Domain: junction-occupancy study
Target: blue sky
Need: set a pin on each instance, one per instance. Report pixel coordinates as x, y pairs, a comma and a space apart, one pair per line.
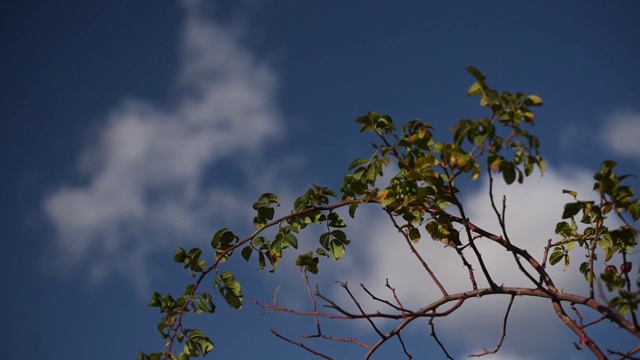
130, 128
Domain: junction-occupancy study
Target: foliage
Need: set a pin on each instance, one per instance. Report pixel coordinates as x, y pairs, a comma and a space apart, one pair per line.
423, 195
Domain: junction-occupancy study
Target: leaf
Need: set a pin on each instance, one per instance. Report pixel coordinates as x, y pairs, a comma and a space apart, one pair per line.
556, 256
246, 253
532, 100
414, 234
230, 290
570, 192
509, 173
352, 210
180, 255
269, 198
340, 236
357, 162
476, 73
291, 240
563, 228
309, 262
336, 249
475, 89
571, 209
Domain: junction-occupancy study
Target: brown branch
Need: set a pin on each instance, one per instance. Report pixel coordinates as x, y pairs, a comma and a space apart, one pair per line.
592, 254
398, 307
504, 332
466, 264
395, 296
458, 204
355, 301
404, 348
428, 310
314, 352
418, 256
503, 226
584, 338
633, 351
311, 297
634, 318
435, 337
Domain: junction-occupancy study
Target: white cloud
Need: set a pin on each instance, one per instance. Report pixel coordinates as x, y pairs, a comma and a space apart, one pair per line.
144, 172
533, 210
622, 132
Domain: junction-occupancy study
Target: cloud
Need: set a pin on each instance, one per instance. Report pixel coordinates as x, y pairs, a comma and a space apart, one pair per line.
144, 171
622, 132
533, 209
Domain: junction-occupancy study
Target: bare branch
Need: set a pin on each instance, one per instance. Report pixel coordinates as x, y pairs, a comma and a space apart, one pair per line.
504, 332
503, 226
314, 352
628, 355
345, 286
417, 255
435, 337
398, 307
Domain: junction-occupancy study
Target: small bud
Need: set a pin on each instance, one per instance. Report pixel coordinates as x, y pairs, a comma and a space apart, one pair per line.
625, 267
611, 269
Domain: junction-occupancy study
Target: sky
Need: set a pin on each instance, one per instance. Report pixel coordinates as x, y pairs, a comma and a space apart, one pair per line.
131, 128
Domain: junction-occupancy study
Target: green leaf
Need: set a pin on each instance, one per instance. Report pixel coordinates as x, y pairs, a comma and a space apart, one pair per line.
309, 262
291, 240
563, 228
180, 255
509, 173
230, 289
152, 356
475, 89
268, 198
570, 192
336, 249
414, 234
246, 253
335, 220
357, 162
556, 256
571, 209
476, 73
340, 236
352, 210
532, 100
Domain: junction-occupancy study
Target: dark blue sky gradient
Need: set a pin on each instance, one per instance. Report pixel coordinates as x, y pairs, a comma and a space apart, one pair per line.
66, 65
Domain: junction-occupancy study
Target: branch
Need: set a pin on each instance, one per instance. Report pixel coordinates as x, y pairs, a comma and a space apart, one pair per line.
503, 226
435, 337
177, 324
301, 345
584, 338
633, 351
504, 332
415, 252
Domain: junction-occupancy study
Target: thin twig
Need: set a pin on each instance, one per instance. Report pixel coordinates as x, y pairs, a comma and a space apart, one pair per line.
418, 256
504, 332
435, 337
386, 302
314, 352
355, 301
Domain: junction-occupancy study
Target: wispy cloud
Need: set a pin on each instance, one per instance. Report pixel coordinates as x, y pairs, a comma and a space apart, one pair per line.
622, 132
144, 173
